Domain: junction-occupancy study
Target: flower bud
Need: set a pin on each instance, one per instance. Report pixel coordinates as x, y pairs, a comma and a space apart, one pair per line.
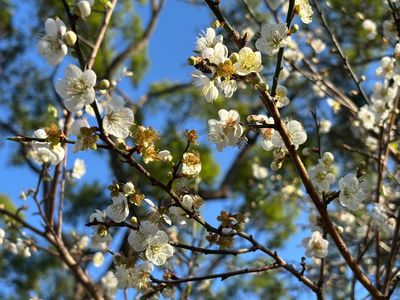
129, 188
327, 158
70, 38
104, 84
234, 57
294, 28
84, 8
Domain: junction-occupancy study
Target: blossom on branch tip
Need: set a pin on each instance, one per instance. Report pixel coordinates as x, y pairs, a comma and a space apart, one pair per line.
273, 37
208, 40
52, 46
206, 86
46, 152
351, 192
316, 246
227, 131
304, 10
77, 88
118, 119
158, 249
295, 132
118, 211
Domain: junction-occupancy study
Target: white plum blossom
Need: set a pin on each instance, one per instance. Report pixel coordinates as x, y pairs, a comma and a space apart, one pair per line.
158, 249
178, 214
318, 45
385, 92
367, 117
206, 86
370, 27
141, 274
258, 171
77, 88
76, 130
2, 234
321, 174
389, 30
118, 119
273, 37
165, 155
110, 284
351, 192
52, 46
98, 259
208, 40
46, 152
296, 134
124, 276
216, 55
386, 68
139, 239
324, 126
280, 96
79, 168
248, 62
228, 86
118, 211
129, 188
191, 164
267, 133
304, 10
316, 246
227, 131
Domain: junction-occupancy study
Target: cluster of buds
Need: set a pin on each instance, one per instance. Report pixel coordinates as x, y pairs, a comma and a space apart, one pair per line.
128, 189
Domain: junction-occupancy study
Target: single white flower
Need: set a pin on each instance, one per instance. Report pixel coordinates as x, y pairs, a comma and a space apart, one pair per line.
110, 284
248, 62
79, 168
258, 171
141, 275
318, 45
129, 188
370, 27
124, 276
367, 117
83, 242
208, 40
45, 152
386, 68
139, 239
165, 155
52, 46
296, 135
228, 86
280, 96
227, 131
351, 192
273, 37
98, 259
158, 249
316, 246
2, 234
216, 55
325, 126
191, 164
304, 10
385, 92
118, 118
321, 177
77, 88
267, 133
119, 210
205, 85
178, 214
